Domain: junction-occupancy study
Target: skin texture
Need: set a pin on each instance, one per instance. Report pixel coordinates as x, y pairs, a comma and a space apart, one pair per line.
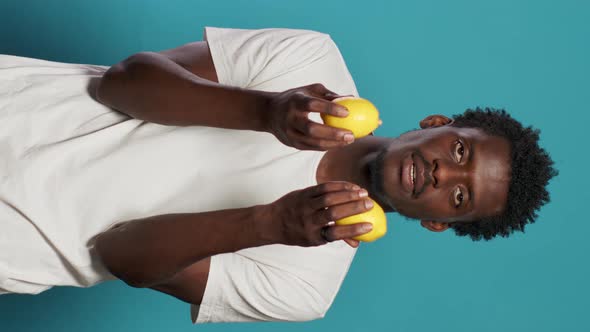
462, 173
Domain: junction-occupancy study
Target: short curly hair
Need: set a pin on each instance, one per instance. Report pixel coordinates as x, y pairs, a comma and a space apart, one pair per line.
531, 170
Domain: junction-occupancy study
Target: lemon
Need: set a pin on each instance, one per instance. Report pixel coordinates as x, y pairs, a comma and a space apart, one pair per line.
375, 216
362, 118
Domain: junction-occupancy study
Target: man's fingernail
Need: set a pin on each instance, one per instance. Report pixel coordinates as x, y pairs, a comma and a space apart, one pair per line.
366, 227
342, 112
349, 138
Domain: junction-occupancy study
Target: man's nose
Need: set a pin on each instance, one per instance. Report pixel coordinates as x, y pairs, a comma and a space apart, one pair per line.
448, 173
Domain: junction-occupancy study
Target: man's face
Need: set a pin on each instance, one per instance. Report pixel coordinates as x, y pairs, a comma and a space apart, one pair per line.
443, 174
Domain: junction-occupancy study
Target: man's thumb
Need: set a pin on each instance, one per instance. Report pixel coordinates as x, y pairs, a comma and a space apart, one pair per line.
320, 91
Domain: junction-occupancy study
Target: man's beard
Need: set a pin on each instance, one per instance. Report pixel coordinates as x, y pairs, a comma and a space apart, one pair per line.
376, 178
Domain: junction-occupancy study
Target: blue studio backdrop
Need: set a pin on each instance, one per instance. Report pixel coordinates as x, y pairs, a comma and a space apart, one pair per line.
412, 59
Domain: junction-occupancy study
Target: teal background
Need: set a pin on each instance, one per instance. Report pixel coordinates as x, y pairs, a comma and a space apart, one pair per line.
411, 58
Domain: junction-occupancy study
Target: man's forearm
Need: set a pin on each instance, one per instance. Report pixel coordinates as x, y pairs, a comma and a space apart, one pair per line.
151, 87
147, 251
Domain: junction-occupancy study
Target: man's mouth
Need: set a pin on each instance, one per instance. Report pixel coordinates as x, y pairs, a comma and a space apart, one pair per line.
408, 174
421, 175
413, 177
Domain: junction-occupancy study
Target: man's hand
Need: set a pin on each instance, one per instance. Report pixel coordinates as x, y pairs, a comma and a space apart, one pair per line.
288, 121
300, 215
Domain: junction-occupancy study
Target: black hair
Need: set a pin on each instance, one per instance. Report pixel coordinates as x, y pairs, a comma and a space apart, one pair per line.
531, 170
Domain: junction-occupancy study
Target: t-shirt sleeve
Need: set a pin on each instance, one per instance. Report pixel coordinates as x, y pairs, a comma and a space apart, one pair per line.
278, 59
240, 289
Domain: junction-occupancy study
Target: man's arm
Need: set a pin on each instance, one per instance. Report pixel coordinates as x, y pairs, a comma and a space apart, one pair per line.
179, 87
189, 283
149, 251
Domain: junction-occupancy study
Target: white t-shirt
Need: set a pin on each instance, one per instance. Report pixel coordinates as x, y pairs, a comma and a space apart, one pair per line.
70, 168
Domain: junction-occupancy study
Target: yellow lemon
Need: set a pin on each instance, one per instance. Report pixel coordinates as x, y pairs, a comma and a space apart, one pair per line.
375, 216
362, 118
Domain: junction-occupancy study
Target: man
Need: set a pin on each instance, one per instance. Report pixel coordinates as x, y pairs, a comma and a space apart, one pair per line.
216, 181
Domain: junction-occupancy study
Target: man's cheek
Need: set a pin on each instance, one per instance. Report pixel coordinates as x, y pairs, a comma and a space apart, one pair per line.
433, 207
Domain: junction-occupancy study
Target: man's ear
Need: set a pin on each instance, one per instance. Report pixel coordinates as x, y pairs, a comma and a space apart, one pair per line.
435, 120
435, 226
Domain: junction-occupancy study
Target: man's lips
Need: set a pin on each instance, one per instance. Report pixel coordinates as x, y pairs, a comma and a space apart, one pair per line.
420, 178
416, 161
406, 174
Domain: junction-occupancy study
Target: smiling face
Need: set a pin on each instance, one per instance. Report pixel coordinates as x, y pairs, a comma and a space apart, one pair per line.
443, 174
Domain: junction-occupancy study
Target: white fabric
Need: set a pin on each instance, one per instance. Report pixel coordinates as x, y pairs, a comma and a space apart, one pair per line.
70, 168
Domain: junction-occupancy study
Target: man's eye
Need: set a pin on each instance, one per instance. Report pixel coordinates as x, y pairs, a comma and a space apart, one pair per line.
459, 151
458, 196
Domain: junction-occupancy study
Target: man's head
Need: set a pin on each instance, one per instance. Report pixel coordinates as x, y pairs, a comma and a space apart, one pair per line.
481, 173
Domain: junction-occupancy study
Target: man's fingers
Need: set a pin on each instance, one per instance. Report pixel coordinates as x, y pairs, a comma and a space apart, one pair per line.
352, 243
327, 107
333, 98
334, 198
320, 90
331, 186
320, 144
317, 130
335, 232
